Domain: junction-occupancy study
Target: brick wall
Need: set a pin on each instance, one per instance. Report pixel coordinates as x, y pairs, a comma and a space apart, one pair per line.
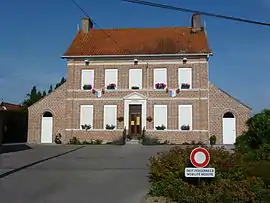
54, 103
64, 103
199, 74
220, 103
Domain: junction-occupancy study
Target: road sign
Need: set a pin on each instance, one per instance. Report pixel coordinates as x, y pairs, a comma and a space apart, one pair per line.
199, 157
200, 172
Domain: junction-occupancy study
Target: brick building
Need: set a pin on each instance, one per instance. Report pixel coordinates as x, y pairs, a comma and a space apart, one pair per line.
155, 78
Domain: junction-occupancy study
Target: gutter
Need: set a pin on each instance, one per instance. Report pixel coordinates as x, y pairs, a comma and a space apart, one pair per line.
139, 55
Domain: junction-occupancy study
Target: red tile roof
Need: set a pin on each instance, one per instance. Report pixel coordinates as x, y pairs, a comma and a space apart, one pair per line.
132, 41
4, 106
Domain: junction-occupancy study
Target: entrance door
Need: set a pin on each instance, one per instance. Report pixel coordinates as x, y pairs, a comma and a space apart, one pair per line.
135, 119
46, 128
228, 128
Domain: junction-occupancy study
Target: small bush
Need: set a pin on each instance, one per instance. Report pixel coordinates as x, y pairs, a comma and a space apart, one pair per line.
232, 182
146, 140
74, 141
98, 141
213, 140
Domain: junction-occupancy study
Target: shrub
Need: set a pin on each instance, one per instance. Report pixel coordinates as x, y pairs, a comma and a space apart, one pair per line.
231, 184
146, 140
258, 133
213, 140
74, 141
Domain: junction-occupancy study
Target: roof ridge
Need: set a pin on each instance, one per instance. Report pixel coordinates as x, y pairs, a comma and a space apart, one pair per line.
144, 28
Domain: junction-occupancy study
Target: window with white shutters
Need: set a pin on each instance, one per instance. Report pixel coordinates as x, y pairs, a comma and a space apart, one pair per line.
185, 117
160, 116
135, 78
111, 78
185, 78
87, 79
160, 77
110, 115
86, 116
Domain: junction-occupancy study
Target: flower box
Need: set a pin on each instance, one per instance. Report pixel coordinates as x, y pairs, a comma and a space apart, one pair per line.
111, 86
185, 86
160, 86
149, 119
135, 87
102, 91
87, 87
162, 127
110, 127
86, 127
120, 118
185, 127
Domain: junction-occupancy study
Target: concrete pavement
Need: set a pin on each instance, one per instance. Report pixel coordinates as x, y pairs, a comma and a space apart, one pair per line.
98, 174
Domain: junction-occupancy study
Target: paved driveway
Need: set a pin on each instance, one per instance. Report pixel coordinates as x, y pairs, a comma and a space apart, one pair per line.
92, 174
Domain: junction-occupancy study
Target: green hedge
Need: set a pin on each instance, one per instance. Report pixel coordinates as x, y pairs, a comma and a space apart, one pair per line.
234, 182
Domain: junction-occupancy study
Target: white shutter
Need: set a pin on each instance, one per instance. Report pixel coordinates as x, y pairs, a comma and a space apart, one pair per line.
185, 115
111, 76
135, 78
86, 115
160, 76
160, 115
87, 78
185, 76
110, 113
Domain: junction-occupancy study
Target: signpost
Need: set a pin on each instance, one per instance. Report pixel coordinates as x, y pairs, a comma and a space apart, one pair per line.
200, 158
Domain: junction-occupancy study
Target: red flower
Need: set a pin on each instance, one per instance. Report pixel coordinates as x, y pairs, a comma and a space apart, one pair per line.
112, 84
93, 91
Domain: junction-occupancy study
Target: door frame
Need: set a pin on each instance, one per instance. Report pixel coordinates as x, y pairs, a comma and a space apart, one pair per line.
139, 113
41, 126
231, 116
126, 112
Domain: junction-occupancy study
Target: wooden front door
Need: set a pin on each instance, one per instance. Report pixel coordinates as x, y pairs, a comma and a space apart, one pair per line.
135, 119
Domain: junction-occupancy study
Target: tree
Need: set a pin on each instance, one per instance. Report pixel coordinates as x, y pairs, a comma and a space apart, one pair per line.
63, 80
50, 90
36, 95
258, 132
33, 97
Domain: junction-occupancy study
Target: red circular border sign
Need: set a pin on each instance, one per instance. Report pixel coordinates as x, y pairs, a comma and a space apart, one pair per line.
194, 152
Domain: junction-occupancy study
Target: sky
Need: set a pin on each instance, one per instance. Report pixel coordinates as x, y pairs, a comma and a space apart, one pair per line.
35, 34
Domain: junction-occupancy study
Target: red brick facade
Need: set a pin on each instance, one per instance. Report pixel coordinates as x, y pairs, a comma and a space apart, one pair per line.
208, 102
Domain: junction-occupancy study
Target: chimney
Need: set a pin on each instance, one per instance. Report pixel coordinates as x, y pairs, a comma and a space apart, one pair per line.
196, 22
87, 24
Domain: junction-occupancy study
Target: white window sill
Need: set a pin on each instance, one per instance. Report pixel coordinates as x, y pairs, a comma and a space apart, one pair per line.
145, 90
185, 89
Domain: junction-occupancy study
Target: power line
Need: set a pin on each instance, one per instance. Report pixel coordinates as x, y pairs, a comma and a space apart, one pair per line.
147, 3
86, 14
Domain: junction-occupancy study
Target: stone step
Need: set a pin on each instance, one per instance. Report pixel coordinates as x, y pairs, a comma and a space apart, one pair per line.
133, 141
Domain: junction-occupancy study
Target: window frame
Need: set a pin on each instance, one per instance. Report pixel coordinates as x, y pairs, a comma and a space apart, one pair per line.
179, 116
104, 116
166, 121
81, 107
154, 77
